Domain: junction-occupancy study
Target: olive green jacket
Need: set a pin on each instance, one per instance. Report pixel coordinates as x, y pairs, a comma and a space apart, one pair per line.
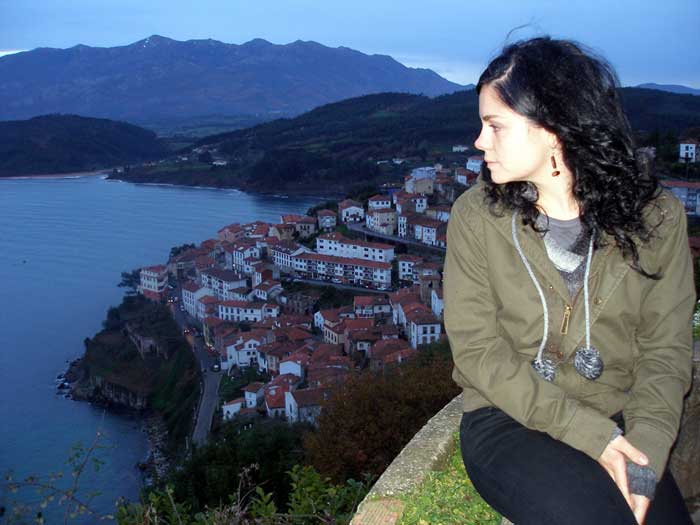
642, 328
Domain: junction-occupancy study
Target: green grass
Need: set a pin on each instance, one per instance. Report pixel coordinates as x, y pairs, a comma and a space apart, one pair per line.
447, 497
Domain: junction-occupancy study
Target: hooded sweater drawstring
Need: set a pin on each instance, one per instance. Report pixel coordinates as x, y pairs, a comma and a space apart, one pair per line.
587, 359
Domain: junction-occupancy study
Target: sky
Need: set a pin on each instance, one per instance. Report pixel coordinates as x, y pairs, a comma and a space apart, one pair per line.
646, 41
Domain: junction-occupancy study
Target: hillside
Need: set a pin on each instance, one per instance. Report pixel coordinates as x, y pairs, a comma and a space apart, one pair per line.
69, 143
337, 146
159, 78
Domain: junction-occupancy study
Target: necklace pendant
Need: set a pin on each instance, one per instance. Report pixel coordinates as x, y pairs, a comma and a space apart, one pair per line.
588, 363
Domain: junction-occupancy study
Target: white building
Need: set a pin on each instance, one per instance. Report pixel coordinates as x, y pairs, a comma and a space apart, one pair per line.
236, 254
337, 244
689, 151
382, 221
459, 148
233, 407
379, 202
436, 303
253, 394
475, 162
687, 192
283, 252
357, 271
221, 282
407, 264
350, 211
246, 311
422, 328
153, 281
327, 219
425, 172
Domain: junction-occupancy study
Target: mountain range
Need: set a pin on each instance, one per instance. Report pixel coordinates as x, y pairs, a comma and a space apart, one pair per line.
158, 78
671, 88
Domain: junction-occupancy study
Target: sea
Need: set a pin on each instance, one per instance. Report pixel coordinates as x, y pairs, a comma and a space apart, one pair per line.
64, 242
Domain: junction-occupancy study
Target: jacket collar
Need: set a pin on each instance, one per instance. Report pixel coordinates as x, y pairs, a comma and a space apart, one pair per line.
533, 247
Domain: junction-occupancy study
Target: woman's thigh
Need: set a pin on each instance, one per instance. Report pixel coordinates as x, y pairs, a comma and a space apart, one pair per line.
532, 478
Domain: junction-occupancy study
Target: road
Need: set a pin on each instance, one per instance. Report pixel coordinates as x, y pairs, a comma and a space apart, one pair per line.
210, 390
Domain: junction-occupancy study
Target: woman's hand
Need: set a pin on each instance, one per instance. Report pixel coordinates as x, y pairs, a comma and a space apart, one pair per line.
640, 505
613, 461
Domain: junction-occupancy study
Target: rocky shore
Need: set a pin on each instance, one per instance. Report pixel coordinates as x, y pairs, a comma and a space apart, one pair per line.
75, 384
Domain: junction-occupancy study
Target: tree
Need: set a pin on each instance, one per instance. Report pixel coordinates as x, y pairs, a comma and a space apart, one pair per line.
372, 416
131, 281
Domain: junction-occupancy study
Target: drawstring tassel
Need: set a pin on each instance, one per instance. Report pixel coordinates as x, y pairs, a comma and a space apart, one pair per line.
587, 359
588, 363
545, 368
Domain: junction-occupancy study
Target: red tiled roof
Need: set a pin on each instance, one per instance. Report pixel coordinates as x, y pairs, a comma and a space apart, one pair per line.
254, 387
376, 198
311, 396
407, 257
237, 400
158, 268
358, 324
190, 286
326, 213
208, 299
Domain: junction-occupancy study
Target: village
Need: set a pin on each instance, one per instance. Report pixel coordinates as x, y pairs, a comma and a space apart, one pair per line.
234, 290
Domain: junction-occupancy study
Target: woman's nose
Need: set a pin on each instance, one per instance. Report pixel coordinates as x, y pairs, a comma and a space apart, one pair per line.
480, 143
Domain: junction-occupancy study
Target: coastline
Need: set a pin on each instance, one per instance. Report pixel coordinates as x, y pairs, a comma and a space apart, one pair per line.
282, 194
71, 175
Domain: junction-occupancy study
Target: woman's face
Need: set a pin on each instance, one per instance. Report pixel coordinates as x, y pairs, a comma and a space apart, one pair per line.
514, 148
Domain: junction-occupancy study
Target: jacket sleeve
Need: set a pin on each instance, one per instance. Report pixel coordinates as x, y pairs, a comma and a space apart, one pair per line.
485, 360
663, 368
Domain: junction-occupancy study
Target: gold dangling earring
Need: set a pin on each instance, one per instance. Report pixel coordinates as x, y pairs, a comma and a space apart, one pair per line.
556, 172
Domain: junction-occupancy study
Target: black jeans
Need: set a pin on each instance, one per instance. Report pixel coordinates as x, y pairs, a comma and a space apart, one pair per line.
533, 479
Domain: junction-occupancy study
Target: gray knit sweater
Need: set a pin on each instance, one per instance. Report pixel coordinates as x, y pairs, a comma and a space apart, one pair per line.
566, 245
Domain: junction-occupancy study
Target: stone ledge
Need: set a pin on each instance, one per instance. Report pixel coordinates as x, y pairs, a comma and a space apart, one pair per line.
427, 451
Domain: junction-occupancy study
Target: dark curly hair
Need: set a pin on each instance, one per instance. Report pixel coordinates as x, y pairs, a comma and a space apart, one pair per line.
572, 93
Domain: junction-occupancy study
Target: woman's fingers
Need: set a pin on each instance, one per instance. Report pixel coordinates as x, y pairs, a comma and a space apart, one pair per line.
630, 451
640, 508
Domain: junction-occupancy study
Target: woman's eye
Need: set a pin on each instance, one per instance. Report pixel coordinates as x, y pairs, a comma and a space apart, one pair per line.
494, 128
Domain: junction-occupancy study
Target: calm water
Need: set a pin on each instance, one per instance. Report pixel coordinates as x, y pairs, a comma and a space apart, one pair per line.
63, 245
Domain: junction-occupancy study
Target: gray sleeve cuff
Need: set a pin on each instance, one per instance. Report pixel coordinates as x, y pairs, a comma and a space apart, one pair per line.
641, 480
616, 432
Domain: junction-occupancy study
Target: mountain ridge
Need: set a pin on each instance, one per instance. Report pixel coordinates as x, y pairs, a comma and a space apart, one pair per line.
158, 76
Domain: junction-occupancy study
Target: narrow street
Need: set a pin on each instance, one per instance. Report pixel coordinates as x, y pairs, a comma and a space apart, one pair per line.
210, 389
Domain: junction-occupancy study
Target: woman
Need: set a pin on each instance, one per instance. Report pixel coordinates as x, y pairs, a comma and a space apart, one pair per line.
568, 293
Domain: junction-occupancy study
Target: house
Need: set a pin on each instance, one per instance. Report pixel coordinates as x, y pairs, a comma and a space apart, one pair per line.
253, 392
206, 306
191, 293
689, 151
231, 408
267, 290
384, 348
474, 163
231, 233
335, 243
327, 219
687, 193
382, 221
466, 177
242, 350
221, 281
246, 311
303, 224
295, 364
374, 306
422, 327
376, 274
274, 394
439, 212
153, 282
282, 253
378, 202
270, 355
350, 211
237, 252
305, 405
407, 263
459, 148
426, 230
424, 185
283, 232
